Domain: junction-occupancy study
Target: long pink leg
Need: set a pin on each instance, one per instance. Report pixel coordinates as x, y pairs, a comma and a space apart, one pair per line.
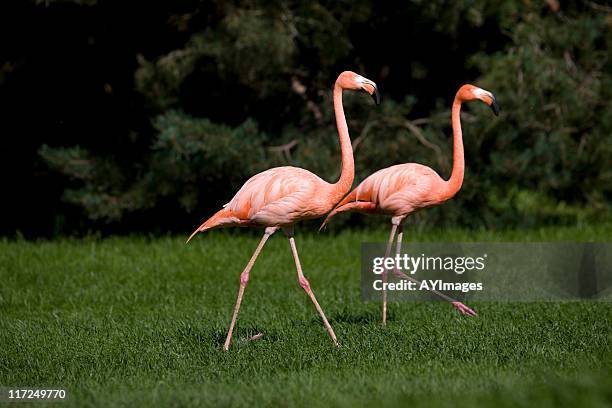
384, 274
458, 305
306, 286
244, 279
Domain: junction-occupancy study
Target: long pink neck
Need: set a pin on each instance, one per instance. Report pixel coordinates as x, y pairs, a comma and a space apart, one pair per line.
453, 185
347, 175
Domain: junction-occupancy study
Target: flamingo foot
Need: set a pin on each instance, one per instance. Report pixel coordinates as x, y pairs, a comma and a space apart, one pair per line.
255, 337
463, 309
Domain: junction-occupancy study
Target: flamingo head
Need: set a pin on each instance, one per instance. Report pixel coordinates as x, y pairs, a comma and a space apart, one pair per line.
351, 80
470, 93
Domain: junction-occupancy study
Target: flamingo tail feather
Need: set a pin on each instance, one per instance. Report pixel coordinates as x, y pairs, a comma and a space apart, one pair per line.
220, 218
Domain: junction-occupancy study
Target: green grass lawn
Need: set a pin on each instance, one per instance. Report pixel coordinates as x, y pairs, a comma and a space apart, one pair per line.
136, 321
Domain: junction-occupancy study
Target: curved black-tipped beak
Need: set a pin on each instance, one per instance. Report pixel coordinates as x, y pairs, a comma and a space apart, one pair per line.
376, 95
494, 106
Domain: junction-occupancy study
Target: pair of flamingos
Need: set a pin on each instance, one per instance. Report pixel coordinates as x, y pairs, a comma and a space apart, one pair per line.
280, 197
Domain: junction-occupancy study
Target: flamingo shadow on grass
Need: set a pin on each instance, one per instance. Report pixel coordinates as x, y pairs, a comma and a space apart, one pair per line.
243, 336
217, 335
356, 316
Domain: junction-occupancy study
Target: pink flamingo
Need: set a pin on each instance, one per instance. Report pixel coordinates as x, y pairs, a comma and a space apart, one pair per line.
280, 197
405, 188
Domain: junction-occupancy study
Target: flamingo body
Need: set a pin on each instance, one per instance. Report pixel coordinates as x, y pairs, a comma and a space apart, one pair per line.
397, 191
280, 197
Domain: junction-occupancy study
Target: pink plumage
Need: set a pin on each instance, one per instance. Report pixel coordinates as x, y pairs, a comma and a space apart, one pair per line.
276, 197
399, 189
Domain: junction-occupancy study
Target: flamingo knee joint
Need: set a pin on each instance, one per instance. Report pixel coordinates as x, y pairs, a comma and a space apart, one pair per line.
305, 284
244, 279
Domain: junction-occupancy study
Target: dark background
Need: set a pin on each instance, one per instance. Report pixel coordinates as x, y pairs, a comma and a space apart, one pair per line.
154, 93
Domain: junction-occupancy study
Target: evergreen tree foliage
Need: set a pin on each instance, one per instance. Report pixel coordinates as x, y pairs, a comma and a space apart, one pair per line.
250, 88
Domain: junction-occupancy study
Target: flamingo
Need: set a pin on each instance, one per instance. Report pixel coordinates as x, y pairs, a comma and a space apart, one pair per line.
280, 197
405, 188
